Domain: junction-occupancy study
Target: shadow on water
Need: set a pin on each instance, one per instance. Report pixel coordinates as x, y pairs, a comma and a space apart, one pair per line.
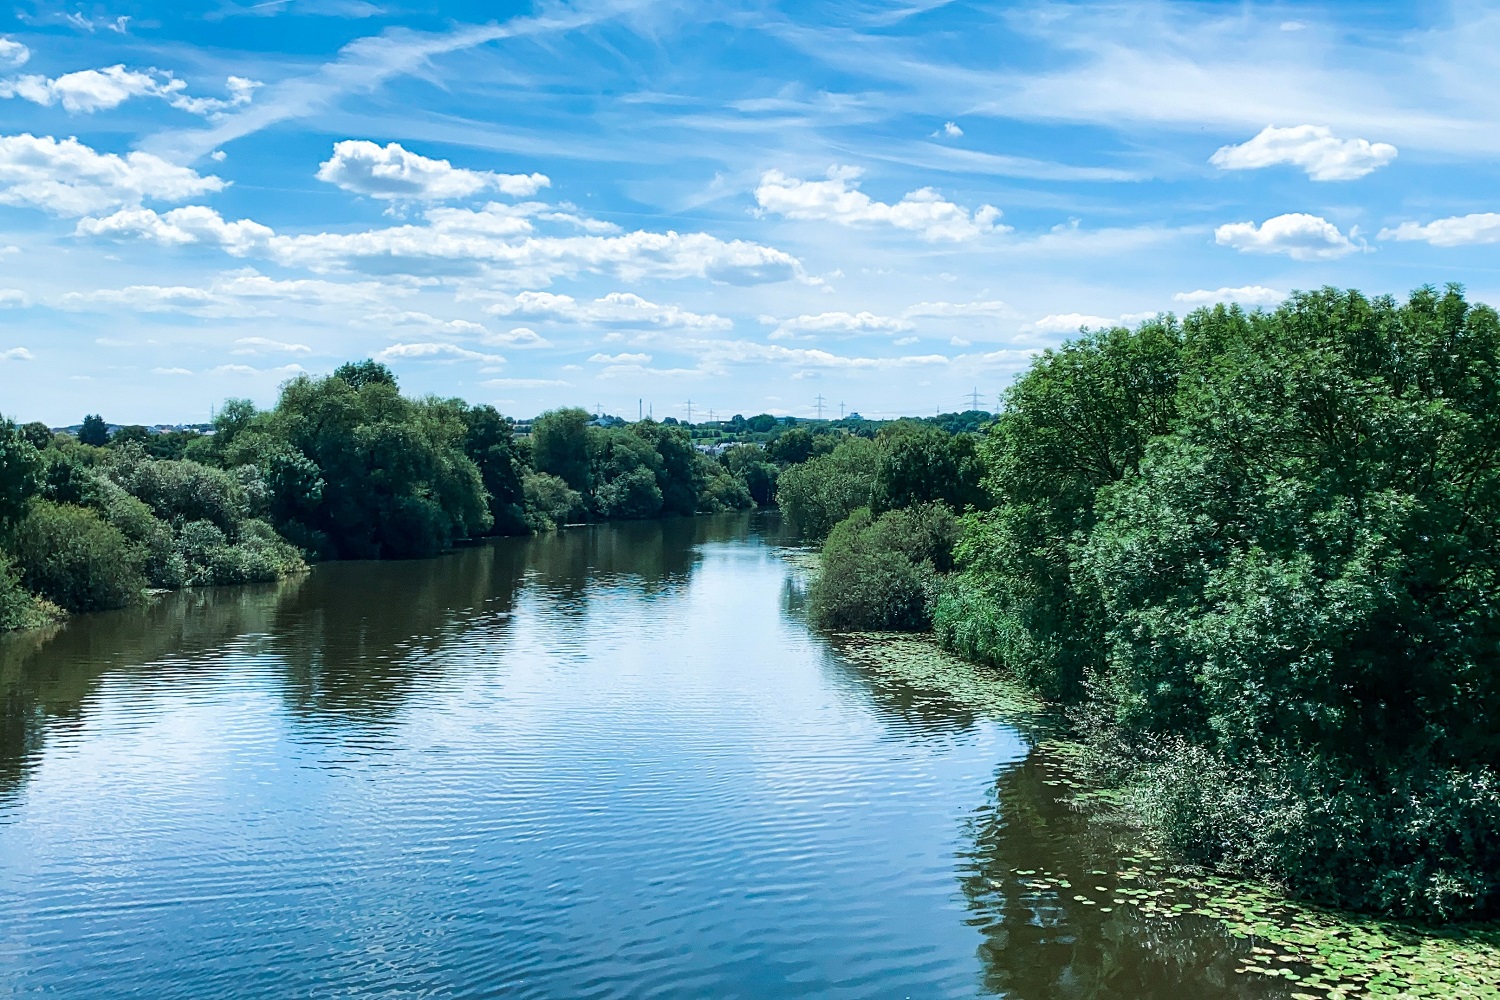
352, 642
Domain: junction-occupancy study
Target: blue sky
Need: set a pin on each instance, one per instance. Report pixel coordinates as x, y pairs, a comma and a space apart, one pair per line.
887, 203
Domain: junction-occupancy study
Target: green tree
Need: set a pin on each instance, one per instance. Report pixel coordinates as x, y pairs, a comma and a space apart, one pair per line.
94, 431
21, 474
77, 560
38, 433
489, 441
922, 464
821, 492
560, 446
791, 447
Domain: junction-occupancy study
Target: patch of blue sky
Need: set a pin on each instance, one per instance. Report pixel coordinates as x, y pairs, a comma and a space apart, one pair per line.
746, 203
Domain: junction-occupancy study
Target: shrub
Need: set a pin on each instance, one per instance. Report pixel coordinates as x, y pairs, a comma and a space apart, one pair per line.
549, 501
76, 559
882, 572
18, 608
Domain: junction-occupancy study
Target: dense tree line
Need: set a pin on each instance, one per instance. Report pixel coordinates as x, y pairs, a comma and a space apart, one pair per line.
341, 467
1259, 555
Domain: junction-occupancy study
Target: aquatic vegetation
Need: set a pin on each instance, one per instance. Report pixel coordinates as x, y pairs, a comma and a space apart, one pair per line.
1155, 896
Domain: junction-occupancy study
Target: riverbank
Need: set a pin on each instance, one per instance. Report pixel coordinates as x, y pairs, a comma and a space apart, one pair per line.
1316, 952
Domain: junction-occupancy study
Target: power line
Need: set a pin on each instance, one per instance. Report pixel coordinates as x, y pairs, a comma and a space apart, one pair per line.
820, 405
974, 399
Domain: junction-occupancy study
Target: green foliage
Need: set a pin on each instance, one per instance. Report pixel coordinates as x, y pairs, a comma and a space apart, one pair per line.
21, 471
38, 433
395, 481
1265, 550
821, 492
489, 441
18, 608
76, 559
791, 447
922, 464
749, 463
882, 572
94, 431
550, 501
358, 374
560, 447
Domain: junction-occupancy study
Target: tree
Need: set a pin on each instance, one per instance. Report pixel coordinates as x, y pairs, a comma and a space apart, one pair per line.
94, 431
21, 473
791, 447
38, 433
560, 446
921, 464
489, 441
358, 374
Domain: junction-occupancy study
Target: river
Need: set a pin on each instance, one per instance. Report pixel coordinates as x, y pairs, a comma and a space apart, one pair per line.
609, 762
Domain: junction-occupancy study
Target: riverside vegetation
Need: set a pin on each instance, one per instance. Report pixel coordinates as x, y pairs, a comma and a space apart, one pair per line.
1253, 555
343, 467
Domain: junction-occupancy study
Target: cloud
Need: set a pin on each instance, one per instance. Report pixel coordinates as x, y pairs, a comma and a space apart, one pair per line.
839, 322
950, 130
69, 178
13, 53
620, 359
171, 371
992, 308
1455, 231
265, 345
521, 338
14, 298
241, 92
17, 354
497, 240
838, 199
1298, 235
525, 383
1314, 148
236, 294
427, 351
615, 308
1250, 295
428, 323
91, 90
235, 369
1071, 323
392, 172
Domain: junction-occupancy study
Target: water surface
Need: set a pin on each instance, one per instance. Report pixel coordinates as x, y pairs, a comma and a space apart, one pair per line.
612, 762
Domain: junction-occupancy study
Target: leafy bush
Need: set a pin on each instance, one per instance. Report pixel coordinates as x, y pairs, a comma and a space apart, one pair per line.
1264, 550
18, 608
882, 572
550, 502
76, 559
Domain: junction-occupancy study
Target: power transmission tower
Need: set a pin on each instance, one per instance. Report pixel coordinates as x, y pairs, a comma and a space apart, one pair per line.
820, 405
974, 399
841, 411
689, 405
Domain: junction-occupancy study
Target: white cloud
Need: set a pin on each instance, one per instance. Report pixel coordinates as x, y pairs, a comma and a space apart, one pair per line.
949, 130
236, 294
1314, 148
241, 92
265, 345
1298, 235
521, 338
1071, 323
13, 53
1250, 295
286, 370
171, 371
838, 199
69, 178
1455, 231
497, 240
17, 354
622, 308
428, 323
392, 172
839, 322
525, 383
427, 351
14, 298
92, 90
621, 359
992, 308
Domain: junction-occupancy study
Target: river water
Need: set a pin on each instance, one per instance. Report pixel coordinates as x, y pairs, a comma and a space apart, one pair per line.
611, 762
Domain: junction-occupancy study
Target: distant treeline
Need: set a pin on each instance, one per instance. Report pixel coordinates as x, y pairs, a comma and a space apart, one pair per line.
1257, 555
343, 467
